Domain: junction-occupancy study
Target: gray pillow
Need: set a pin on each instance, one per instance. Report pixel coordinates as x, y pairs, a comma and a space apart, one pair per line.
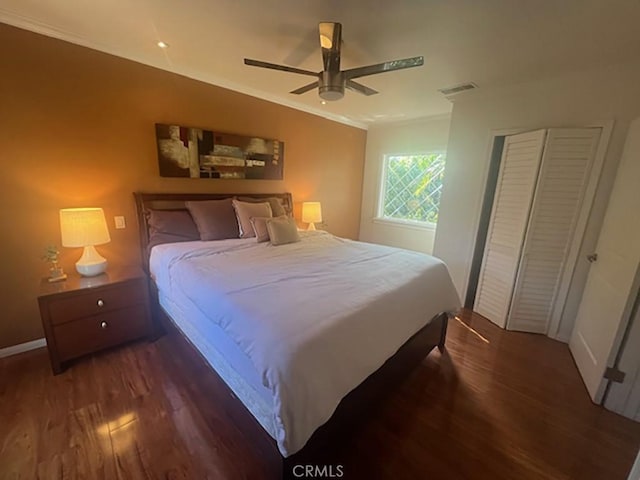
215, 219
282, 230
246, 210
277, 209
169, 226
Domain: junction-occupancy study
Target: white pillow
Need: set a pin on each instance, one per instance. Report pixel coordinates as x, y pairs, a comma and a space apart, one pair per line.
246, 210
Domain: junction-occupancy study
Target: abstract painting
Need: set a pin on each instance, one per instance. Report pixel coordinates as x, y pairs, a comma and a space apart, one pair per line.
197, 153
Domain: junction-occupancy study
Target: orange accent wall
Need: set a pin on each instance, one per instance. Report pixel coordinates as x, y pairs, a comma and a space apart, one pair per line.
77, 129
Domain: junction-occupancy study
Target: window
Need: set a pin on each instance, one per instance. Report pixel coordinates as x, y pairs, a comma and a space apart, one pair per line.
411, 188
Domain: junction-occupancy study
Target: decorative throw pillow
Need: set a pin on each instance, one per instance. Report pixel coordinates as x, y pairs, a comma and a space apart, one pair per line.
282, 230
168, 226
215, 219
260, 227
277, 209
246, 210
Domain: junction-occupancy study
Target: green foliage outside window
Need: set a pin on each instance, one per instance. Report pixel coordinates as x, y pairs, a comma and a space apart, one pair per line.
412, 187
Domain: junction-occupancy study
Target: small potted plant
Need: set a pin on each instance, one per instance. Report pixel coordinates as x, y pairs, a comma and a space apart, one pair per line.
51, 255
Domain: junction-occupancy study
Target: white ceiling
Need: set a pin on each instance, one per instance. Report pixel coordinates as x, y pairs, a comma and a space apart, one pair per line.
489, 42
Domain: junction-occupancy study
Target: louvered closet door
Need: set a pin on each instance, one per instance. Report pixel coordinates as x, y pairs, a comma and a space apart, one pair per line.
564, 174
510, 212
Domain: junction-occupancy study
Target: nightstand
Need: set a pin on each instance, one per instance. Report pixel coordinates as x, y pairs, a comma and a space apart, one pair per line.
82, 315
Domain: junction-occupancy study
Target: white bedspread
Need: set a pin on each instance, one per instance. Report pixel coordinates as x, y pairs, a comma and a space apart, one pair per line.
315, 317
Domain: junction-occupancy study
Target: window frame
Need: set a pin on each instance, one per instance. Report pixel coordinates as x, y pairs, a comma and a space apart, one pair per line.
382, 184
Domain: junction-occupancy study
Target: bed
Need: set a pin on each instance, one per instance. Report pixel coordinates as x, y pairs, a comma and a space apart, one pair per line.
305, 334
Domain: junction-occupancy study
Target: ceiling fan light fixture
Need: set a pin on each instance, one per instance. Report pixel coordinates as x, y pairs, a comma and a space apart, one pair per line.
331, 93
331, 86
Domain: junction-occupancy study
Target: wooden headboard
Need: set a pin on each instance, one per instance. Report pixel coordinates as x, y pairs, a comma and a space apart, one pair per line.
175, 201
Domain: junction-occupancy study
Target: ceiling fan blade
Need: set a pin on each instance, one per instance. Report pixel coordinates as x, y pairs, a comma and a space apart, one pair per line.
273, 66
331, 42
305, 89
358, 87
384, 67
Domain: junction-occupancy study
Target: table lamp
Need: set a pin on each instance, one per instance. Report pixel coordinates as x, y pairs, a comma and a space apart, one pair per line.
311, 213
85, 227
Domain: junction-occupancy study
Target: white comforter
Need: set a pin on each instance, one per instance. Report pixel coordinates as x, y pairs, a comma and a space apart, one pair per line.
315, 317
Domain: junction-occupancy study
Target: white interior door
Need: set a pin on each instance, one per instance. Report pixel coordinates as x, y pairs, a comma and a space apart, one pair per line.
559, 201
608, 295
624, 397
517, 178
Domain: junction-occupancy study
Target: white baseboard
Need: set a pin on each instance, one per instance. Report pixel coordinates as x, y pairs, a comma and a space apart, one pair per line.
23, 347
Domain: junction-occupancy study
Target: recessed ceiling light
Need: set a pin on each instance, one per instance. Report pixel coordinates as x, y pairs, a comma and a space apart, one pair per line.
161, 44
323, 102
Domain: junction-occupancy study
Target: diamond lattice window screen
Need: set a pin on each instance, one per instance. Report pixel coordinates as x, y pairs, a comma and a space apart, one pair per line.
412, 187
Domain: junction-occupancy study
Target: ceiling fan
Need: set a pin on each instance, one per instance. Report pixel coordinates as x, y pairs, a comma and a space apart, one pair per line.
332, 81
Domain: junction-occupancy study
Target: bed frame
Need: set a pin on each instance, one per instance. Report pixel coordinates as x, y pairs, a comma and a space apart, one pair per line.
324, 446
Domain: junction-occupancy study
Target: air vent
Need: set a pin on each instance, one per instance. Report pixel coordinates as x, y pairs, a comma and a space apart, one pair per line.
457, 89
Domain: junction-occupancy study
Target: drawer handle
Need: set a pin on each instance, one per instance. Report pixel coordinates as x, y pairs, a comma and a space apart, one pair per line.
100, 302
104, 325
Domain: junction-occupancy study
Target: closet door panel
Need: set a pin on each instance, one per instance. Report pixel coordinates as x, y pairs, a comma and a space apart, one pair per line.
564, 174
510, 212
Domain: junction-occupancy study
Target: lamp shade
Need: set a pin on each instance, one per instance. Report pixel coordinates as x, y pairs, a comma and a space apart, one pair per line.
311, 212
81, 227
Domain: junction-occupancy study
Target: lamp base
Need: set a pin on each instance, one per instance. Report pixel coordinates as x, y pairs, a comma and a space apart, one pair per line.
311, 226
91, 263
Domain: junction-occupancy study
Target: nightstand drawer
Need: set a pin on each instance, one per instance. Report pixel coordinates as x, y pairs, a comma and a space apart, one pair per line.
94, 333
104, 300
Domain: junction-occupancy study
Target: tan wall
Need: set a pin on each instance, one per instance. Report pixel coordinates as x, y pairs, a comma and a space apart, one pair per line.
77, 129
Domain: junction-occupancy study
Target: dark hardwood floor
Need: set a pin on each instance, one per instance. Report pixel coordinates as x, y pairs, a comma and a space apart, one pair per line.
509, 406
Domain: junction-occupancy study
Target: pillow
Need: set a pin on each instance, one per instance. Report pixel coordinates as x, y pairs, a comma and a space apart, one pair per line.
277, 209
215, 219
246, 210
259, 225
282, 230
168, 226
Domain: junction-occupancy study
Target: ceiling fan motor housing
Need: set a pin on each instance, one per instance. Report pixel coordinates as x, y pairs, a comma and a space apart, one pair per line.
331, 86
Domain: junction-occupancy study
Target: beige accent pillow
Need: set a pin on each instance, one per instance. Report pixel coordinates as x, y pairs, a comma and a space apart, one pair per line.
246, 210
282, 230
259, 225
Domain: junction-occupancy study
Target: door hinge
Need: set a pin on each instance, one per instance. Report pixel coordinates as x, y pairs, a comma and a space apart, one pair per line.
613, 374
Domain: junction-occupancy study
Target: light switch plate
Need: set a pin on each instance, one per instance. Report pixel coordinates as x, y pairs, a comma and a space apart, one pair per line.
120, 223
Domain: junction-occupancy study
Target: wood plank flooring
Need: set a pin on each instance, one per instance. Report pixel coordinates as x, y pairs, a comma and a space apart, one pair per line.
509, 406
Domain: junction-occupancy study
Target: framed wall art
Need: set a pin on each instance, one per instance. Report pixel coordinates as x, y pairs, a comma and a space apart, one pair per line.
197, 153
